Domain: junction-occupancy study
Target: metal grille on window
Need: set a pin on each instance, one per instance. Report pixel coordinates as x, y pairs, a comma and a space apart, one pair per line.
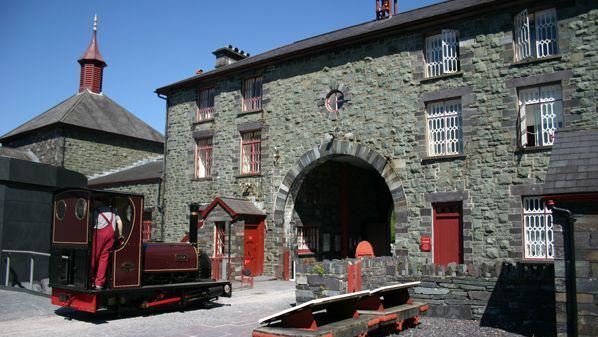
522, 36
205, 104
219, 239
307, 239
252, 94
538, 229
203, 164
251, 146
546, 33
540, 114
444, 128
442, 53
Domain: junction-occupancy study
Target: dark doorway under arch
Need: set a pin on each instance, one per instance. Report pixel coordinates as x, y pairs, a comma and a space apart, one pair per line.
341, 201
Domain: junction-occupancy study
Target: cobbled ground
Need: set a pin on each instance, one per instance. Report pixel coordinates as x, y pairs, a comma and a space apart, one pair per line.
26, 315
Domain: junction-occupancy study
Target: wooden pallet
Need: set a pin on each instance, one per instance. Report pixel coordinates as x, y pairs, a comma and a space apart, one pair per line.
387, 309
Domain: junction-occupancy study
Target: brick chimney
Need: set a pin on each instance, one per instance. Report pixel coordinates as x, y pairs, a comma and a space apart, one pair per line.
92, 65
228, 55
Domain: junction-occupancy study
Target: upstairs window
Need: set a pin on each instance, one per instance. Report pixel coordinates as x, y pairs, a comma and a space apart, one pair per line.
444, 127
540, 114
205, 104
535, 34
538, 229
251, 152
252, 94
442, 53
203, 158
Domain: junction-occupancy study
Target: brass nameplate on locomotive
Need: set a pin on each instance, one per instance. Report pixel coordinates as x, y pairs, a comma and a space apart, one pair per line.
127, 266
181, 258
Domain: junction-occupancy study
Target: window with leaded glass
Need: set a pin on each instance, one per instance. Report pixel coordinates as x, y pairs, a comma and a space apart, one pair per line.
251, 152
205, 104
442, 53
540, 114
219, 238
535, 34
252, 94
538, 229
203, 158
444, 127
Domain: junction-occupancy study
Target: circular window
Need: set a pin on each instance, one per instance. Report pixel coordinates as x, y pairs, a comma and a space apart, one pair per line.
60, 210
81, 209
335, 101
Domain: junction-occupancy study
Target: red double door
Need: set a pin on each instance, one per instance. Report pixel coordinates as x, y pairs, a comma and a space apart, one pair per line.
448, 233
254, 248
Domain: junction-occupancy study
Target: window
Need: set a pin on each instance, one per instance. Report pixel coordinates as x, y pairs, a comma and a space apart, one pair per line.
540, 114
537, 220
219, 238
307, 239
535, 34
251, 147
252, 94
444, 127
203, 158
205, 104
442, 53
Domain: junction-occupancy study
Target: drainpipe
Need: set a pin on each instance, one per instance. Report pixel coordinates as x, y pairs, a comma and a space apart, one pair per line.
162, 189
572, 283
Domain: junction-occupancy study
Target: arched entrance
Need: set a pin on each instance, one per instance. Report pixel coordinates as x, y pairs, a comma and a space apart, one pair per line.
336, 195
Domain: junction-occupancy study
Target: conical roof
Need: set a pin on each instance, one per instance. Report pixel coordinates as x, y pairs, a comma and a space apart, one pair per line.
93, 50
90, 111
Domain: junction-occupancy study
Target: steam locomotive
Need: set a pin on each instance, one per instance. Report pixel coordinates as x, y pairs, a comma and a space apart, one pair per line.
139, 274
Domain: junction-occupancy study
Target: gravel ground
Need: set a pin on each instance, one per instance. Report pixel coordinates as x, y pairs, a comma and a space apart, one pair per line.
26, 315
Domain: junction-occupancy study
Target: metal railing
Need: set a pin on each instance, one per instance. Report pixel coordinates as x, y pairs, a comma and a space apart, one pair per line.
31, 264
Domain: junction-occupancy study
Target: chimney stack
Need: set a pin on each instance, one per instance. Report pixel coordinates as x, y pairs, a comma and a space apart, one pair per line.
386, 9
228, 55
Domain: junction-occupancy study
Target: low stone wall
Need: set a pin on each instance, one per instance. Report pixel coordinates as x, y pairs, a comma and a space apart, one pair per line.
515, 297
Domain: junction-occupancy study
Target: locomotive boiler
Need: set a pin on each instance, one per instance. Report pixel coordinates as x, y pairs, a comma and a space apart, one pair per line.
138, 274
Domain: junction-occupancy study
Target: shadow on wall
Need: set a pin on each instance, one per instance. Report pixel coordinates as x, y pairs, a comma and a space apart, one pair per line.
523, 300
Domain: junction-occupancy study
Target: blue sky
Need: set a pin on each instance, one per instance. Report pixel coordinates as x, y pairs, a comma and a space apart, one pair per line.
147, 44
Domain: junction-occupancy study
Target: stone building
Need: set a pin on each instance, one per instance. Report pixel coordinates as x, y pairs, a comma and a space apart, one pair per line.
88, 128
428, 132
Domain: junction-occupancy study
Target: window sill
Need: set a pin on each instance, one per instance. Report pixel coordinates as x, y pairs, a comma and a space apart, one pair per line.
306, 253
436, 78
205, 121
534, 149
242, 113
538, 261
535, 60
203, 179
429, 160
248, 175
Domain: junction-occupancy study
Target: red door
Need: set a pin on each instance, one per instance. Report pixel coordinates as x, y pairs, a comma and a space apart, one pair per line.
448, 238
254, 248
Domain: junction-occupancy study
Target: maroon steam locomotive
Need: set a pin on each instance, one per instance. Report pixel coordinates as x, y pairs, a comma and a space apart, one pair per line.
138, 274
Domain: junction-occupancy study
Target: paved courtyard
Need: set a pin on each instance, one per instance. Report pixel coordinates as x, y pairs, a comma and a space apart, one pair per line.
23, 314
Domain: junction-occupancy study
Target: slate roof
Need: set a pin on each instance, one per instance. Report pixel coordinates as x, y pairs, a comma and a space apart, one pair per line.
91, 111
236, 206
142, 172
406, 20
18, 154
573, 164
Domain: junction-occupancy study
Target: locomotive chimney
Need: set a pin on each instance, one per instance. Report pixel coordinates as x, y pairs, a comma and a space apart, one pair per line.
193, 222
228, 55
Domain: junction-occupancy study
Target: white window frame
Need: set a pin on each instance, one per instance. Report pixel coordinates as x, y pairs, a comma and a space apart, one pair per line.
441, 55
535, 35
538, 229
444, 127
541, 111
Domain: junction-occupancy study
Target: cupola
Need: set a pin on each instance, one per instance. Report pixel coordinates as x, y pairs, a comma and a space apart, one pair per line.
92, 64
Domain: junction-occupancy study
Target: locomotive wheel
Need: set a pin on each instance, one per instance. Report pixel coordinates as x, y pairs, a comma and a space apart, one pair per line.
205, 266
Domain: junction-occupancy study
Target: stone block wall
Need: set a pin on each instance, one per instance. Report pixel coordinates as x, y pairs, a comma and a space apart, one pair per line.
46, 145
514, 297
384, 77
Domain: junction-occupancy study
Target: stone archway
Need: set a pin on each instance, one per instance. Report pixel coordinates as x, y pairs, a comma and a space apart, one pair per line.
290, 185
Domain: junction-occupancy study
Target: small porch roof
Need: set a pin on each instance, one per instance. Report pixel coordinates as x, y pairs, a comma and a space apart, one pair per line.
235, 207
